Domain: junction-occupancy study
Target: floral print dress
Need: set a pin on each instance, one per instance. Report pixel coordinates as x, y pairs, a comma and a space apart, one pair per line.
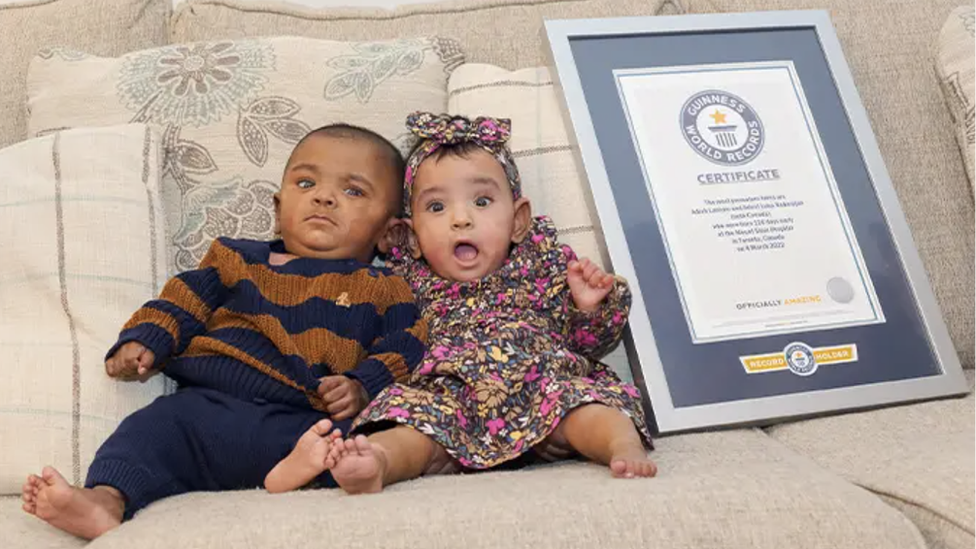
508, 356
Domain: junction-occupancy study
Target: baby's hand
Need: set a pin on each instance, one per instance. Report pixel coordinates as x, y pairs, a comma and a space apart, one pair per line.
344, 397
588, 284
132, 359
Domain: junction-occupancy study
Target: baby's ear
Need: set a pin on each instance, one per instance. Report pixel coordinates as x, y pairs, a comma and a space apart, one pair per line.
523, 220
394, 235
277, 213
412, 243
399, 234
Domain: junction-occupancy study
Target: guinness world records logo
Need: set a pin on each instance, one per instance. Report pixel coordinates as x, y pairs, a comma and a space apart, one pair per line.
722, 128
800, 359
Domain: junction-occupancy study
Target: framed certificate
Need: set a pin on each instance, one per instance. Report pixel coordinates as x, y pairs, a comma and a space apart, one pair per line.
741, 192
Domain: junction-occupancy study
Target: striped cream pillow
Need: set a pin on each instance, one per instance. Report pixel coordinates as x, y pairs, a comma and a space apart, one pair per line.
83, 247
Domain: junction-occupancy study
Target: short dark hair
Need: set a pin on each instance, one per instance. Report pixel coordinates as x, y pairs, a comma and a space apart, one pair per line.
342, 130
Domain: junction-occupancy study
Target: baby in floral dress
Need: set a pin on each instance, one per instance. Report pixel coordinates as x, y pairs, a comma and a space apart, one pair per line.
516, 326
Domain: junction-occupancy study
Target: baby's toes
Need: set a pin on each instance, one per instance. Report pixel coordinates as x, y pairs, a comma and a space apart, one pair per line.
618, 468
331, 459
338, 450
646, 469
33, 485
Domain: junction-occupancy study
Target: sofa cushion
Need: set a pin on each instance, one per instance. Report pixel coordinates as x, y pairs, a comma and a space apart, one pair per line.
507, 33
954, 64
918, 457
230, 113
83, 247
104, 27
731, 489
888, 46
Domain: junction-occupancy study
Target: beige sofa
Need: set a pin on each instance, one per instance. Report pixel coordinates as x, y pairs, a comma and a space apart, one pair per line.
900, 477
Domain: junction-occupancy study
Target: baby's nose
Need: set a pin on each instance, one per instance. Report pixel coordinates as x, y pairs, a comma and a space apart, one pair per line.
324, 199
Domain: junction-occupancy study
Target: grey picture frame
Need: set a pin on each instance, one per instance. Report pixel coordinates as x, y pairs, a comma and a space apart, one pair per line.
642, 347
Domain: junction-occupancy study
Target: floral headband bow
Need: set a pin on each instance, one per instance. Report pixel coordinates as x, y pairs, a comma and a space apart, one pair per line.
437, 131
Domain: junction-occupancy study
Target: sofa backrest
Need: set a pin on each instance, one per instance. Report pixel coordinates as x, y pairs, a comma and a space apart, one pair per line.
100, 27
507, 33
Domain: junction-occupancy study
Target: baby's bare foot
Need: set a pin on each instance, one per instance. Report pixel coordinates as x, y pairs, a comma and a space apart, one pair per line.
631, 461
86, 513
311, 456
360, 466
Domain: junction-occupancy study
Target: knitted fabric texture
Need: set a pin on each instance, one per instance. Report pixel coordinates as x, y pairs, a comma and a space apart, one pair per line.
260, 332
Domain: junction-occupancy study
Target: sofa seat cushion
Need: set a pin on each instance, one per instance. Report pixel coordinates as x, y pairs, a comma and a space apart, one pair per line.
730, 489
22, 531
919, 458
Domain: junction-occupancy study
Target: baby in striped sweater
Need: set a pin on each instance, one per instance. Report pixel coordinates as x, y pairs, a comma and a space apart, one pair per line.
275, 346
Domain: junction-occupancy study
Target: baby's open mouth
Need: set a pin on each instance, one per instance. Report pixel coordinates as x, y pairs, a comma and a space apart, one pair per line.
465, 251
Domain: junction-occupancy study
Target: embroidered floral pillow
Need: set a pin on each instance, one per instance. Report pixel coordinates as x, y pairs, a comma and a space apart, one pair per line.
229, 113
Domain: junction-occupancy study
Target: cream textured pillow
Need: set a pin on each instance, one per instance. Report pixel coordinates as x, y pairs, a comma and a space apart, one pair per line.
954, 64
83, 247
104, 27
230, 113
542, 148
540, 145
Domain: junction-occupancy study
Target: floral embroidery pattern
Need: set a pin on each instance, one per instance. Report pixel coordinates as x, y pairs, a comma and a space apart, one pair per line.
969, 22
449, 52
195, 84
508, 355
66, 54
373, 63
264, 116
960, 106
231, 208
210, 209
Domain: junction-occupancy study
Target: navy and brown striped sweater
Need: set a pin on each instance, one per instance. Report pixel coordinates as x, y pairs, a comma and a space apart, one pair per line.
242, 326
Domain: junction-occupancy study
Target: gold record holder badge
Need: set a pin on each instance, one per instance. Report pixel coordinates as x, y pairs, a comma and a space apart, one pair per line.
800, 358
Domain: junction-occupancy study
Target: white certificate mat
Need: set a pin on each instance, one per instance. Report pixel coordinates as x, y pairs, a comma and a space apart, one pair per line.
757, 235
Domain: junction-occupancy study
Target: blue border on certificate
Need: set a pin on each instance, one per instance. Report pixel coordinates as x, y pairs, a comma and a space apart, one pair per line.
825, 169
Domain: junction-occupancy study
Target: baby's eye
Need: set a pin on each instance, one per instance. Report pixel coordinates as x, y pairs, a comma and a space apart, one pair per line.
305, 183
435, 207
482, 201
354, 191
